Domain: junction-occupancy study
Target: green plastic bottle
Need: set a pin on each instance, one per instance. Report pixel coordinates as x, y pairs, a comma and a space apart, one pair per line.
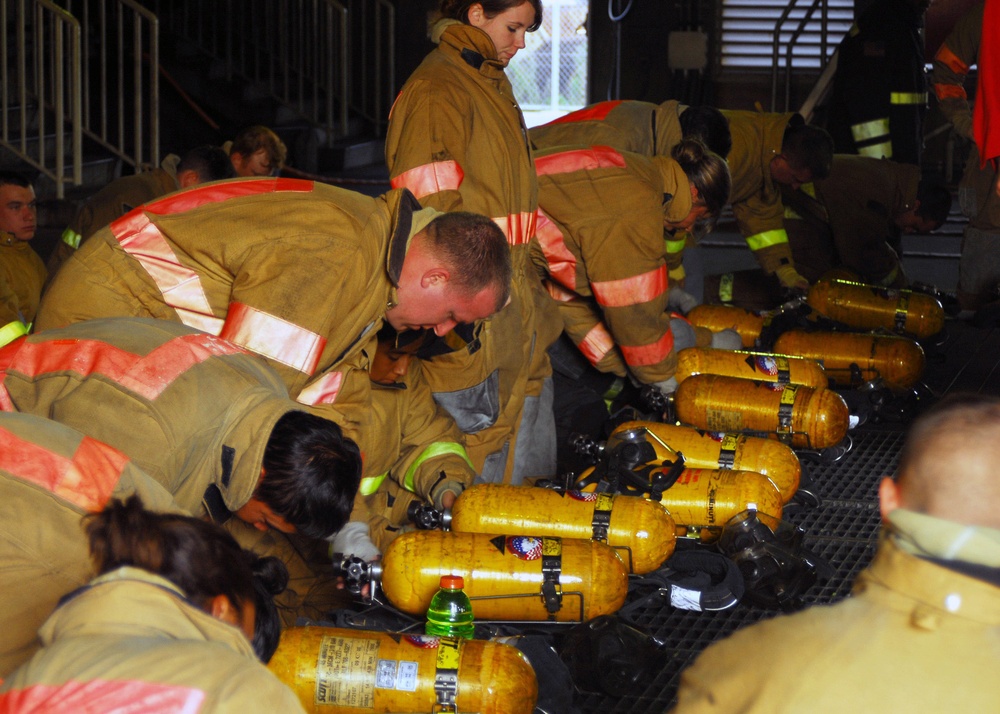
450, 612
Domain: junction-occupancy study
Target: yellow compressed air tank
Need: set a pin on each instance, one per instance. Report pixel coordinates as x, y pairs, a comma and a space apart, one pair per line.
721, 317
718, 450
344, 671
707, 498
640, 530
590, 576
704, 499
870, 307
811, 418
899, 361
763, 366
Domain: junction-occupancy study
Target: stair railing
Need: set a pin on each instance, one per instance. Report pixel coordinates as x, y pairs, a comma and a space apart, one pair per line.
41, 88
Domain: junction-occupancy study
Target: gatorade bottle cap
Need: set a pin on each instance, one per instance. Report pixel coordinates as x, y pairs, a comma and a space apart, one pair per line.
452, 582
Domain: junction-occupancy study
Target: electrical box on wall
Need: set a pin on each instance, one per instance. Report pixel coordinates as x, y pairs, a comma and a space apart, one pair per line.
687, 50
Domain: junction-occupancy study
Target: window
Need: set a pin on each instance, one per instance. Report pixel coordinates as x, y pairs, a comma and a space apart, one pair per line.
550, 74
748, 30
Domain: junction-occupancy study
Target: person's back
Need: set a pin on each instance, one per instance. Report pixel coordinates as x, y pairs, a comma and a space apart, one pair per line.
50, 476
627, 125
202, 416
879, 94
199, 165
853, 219
234, 275
921, 630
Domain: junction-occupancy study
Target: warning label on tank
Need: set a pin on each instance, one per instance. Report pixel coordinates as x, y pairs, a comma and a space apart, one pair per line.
347, 670
401, 676
723, 420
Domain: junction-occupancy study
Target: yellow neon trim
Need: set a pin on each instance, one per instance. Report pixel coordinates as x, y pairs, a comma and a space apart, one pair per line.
908, 98
438, 448
870, 129
72, 238
11, 331
767, 239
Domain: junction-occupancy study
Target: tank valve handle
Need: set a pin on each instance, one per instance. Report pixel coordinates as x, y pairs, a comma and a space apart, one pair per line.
424, 516
583, 445
355, 571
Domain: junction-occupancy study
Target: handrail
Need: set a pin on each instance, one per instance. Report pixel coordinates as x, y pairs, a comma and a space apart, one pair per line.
320, 58
49, 83
789, 46
120, 55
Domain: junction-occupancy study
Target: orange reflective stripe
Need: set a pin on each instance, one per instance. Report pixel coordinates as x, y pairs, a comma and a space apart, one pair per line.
274, 338
181, 286
99, 696
645, 355
949, 59
430, 178
596, 112
596, 157
558, 293
596, 343
518, 227
146, 375
322, 391
561, 262
631, 291
220, 192
86, 480
950, 91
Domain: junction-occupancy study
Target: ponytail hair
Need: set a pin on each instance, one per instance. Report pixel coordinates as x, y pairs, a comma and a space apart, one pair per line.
707, 172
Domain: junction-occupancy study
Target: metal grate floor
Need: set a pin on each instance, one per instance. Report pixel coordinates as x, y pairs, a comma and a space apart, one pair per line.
843, 529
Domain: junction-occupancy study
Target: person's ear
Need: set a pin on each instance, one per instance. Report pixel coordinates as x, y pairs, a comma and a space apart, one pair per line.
694, 193
888, 496
189, 178
476, 14
221, 608
435, 277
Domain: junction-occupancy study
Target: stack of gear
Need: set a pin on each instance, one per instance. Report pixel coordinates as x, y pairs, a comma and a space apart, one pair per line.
507, 577
343, 671
641, 531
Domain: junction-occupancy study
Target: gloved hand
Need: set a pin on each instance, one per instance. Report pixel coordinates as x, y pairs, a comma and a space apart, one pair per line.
790, 279
666, 386
727, 339
680, 301
445, 492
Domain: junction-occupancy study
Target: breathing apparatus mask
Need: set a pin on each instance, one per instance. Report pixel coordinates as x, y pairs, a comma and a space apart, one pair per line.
776, 567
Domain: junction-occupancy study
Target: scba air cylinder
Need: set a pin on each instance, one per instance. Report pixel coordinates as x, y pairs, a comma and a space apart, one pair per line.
344, 671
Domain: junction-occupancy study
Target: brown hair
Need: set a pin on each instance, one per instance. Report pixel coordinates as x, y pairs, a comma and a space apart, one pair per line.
475, 250
459, 9
254, 138
199, 557
706, 171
